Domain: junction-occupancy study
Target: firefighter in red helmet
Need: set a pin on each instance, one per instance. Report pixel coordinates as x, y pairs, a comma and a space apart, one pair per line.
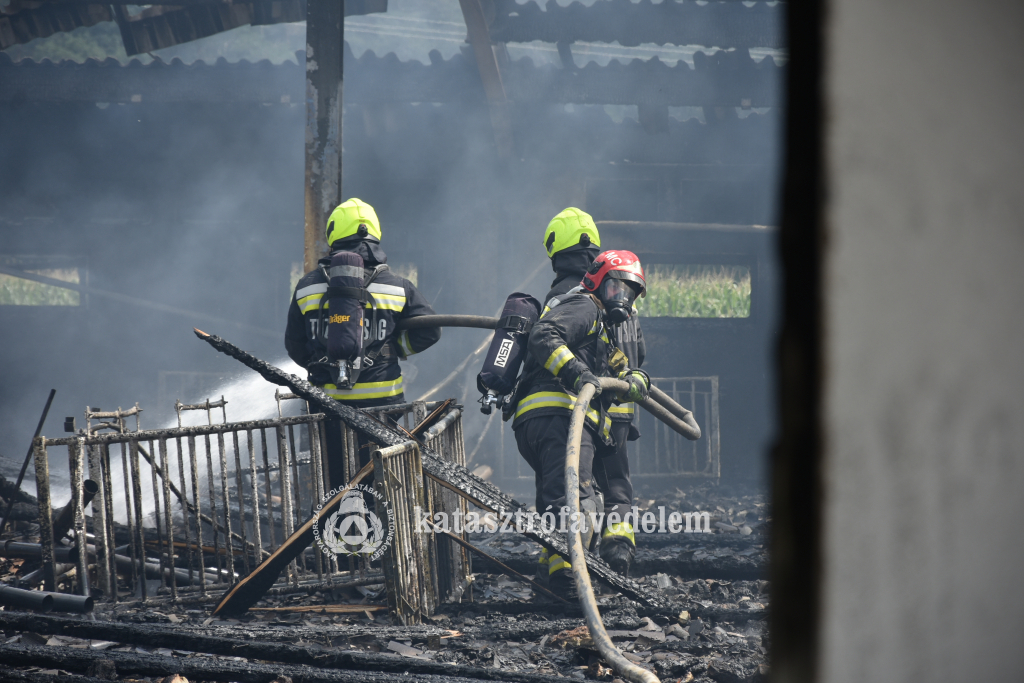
568, 347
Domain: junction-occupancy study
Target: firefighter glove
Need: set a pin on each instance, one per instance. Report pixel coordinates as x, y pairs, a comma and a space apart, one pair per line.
639, 385
586, 377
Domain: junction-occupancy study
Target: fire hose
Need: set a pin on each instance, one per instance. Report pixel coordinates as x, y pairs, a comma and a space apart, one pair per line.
484, 322
584, 588
660, 404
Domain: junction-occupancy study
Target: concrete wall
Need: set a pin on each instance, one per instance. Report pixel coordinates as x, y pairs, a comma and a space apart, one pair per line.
924, 324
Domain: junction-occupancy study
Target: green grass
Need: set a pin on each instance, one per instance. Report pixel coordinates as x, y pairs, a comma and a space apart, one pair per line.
15, 291
696, 292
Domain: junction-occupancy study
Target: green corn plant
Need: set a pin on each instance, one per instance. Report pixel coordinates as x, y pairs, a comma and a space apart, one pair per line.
16, 291
696, 292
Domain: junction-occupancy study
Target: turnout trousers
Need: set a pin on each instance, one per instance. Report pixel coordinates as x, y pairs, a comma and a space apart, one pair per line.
611, 471
542, 441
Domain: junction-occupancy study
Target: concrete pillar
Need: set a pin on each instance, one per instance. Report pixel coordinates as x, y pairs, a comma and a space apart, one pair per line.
907, 347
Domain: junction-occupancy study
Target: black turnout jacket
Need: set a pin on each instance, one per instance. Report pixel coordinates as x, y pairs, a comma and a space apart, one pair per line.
395, 298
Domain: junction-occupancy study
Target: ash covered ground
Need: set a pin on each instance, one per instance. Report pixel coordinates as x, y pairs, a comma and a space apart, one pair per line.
714, 630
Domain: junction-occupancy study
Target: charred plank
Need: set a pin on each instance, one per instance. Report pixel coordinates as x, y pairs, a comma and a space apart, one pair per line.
335, 665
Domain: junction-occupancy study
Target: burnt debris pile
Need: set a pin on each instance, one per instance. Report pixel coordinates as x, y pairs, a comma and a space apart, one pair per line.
712, 625
258, 563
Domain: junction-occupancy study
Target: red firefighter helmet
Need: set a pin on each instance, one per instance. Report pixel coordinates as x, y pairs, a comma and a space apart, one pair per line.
616, 278
621, 265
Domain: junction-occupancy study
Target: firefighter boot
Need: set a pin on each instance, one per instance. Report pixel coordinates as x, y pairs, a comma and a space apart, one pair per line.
618, 547
560, 578
542, 568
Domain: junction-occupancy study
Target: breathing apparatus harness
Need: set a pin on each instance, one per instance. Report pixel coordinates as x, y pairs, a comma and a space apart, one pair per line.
342, 332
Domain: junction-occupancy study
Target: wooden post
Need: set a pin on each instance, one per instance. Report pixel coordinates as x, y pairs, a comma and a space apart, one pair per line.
490, 74
325, 26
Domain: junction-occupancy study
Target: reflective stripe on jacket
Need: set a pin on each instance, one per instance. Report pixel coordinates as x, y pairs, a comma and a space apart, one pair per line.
628, 336
572, 331
394, 298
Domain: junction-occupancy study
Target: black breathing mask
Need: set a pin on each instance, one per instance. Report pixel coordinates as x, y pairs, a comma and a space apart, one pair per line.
618, 297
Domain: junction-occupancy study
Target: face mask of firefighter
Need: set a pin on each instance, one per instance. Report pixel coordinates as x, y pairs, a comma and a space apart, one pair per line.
617, 297
343, 321
507, 351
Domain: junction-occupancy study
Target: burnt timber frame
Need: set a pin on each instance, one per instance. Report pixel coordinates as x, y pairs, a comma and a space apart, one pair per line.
479, 492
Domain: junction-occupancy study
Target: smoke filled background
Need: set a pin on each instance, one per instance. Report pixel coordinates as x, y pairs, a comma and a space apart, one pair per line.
199, 205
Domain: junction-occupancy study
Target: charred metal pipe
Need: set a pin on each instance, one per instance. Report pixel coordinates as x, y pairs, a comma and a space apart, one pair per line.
34, 578
65, 602
153, 569
588, 602
483, 322
34, 551
66, 518
18, 597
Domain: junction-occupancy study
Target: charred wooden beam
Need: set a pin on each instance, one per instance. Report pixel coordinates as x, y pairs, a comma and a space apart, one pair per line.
486, 55
325, 35
481, 493
333, 665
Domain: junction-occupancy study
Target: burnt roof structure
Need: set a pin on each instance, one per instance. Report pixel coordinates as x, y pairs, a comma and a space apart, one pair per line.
156, 154
159, 24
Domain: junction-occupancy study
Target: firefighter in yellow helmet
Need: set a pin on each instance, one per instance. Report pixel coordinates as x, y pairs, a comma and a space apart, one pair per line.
572, 242
354, 227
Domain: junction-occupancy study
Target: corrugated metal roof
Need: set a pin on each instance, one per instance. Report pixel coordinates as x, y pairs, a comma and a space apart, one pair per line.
25, 20
721, 79
722, 24
156, 26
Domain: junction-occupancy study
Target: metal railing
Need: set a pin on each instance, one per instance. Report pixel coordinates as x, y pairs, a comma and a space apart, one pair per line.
661, 452
184, 510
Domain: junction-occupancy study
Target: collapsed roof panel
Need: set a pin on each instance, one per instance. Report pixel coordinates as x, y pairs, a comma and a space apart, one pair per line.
158, 25
25, 20
165, 26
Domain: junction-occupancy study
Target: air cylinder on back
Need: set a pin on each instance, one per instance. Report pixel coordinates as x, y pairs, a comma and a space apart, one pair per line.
346, 296
508, 345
